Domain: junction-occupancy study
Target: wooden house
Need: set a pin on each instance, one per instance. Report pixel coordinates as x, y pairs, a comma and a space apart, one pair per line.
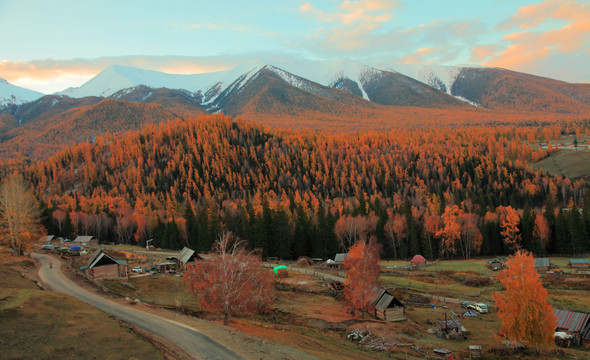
85, 240
388, 307
338, 260
496, 264
579, 264
185, 257
574, 323
542, 265
586, 336
104, 266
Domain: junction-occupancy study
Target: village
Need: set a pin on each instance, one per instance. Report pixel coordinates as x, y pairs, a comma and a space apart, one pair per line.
423, 309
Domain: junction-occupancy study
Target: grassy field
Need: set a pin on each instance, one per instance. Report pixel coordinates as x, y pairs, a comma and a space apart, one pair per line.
158, 289
39, 324
472, 265
568, 163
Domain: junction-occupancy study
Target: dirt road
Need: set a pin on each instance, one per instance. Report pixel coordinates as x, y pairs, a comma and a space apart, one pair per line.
193, 342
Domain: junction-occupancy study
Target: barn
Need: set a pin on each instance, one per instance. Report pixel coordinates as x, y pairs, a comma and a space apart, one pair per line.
388, 307
186, 256
542, 264
572, 322
104, 266
338, 260
85, 240
579, 263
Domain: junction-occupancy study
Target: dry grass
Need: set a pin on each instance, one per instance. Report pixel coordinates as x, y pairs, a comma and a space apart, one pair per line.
568, 163
40, 324
159, 289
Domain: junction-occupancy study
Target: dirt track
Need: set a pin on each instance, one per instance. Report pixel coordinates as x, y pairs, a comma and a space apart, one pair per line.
193, 342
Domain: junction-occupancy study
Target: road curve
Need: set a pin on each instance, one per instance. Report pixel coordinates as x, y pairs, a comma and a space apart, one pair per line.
190, 340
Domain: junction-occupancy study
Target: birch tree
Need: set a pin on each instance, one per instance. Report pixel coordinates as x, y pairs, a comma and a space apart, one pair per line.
232, 281
19, 220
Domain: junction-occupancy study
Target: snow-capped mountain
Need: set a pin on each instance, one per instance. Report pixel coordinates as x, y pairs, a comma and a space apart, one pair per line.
116, 78
438, 76
15, 95
380, 86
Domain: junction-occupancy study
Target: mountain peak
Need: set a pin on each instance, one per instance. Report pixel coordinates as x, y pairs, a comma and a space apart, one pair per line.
15, 95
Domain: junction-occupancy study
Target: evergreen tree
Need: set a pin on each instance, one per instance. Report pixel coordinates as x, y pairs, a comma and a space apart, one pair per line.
526, 227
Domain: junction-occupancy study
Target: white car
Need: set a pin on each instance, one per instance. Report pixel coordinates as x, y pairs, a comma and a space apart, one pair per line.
137, 269
481, 308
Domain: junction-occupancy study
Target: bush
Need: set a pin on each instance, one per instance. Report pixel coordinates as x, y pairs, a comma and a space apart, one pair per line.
478, 281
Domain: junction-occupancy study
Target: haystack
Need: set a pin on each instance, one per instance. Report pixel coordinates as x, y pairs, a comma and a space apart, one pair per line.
304, 261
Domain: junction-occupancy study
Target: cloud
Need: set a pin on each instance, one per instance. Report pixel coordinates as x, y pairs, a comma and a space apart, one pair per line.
49, 75
532, 40
367, 29
351, 25
353, 12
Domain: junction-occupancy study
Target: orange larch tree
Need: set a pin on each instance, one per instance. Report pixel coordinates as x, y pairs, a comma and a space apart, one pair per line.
510, 233
451, 231
232, 281
362, 274
524, 309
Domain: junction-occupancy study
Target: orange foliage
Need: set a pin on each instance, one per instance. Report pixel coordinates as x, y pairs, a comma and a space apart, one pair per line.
362, 274
524, 309
510, 233
232, 281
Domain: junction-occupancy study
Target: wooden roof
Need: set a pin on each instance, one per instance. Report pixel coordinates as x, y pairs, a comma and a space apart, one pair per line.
542, 262
83, 238
186, 255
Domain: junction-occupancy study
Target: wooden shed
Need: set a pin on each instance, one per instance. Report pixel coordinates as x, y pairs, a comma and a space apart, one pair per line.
338, 260
496, 264
185, 257
542, 264
572, 322
104, 266
85, 240
388, 307
579, 263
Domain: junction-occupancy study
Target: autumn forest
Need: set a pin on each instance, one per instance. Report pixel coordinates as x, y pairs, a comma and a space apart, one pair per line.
456, 191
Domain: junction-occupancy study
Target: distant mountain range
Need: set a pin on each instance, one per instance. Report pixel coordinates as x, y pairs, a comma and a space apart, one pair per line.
125, 98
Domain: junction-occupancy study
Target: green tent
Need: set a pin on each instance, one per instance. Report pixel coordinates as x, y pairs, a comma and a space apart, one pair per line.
277, 268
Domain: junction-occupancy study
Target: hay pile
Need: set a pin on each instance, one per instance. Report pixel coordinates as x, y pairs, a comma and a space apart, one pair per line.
304, 261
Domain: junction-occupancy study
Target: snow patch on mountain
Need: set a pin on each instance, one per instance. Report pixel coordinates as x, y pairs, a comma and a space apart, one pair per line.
116, 78
15, 95
328, 73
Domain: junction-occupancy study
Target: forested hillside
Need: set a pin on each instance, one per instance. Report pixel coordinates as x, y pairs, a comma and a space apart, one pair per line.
450, 191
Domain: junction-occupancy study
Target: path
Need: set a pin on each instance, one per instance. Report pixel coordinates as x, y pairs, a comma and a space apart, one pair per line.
190, 340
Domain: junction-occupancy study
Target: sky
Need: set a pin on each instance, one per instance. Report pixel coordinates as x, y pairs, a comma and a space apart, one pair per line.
51, 45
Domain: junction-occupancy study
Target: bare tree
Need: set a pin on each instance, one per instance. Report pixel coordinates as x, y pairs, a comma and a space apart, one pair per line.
19, 221
232, 281
60, 217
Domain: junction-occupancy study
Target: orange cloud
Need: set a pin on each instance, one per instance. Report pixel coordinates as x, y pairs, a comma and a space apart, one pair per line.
418, 56
353, 24
350, 12
531, 43
50, 76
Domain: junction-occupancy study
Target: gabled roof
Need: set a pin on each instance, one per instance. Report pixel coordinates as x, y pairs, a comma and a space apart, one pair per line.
579, 261
340, 257
186, 255
571, 320
386, 300
99, 255
586, 332
49, 238
542, 262
83, 238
